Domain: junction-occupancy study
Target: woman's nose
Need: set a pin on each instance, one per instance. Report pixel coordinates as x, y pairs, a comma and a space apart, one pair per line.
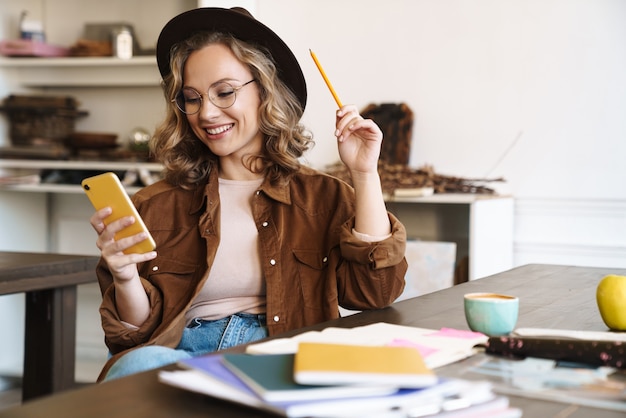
207, 108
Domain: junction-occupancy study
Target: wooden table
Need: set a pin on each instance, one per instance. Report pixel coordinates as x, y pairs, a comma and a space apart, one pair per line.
557, 297
49, 281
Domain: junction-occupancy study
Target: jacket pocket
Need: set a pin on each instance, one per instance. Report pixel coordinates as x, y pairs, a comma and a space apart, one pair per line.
168, 265
168, 273
312, 266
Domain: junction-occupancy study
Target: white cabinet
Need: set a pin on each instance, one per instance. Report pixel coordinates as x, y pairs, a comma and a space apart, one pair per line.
480, 225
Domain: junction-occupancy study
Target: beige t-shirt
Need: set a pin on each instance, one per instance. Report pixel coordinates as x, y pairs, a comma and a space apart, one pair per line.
235, 282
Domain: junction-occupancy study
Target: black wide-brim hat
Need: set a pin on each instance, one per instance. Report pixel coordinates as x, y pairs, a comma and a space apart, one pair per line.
242, 25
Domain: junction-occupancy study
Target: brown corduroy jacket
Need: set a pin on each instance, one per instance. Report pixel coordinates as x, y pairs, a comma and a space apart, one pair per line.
311, 261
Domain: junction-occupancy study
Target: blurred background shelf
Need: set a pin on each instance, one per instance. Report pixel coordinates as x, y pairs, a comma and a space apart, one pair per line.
82, 71
80, 165
29, 169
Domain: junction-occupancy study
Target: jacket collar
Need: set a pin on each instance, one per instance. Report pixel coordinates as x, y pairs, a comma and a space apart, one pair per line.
279, 192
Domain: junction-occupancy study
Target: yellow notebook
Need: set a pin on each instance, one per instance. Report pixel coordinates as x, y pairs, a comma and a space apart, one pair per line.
339, 364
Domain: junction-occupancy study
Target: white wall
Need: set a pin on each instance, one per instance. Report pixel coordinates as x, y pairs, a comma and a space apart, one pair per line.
477, 73
530, 90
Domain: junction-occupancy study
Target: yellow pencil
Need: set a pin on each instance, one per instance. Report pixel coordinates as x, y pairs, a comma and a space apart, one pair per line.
330, 86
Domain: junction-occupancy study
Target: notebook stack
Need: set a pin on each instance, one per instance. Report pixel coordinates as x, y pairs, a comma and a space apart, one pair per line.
338, 380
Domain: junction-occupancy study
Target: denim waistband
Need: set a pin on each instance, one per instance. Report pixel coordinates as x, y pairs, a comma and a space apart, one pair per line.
243, 315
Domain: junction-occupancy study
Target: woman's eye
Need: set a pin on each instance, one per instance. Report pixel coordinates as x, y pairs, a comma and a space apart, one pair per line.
225, 93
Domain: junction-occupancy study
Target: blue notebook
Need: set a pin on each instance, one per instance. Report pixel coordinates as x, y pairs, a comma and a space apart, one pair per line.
213, 366
270, 377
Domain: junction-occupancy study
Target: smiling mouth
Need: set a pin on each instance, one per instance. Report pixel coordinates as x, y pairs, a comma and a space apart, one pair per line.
219, 130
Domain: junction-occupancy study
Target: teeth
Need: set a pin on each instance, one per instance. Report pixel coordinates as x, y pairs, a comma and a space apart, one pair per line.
219, 130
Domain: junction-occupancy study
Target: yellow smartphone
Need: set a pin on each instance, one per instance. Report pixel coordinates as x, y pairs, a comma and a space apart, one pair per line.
106, 190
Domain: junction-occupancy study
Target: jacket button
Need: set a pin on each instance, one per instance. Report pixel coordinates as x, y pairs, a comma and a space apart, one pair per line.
273, 262
276, 318
265, 223
155, 268
324, 260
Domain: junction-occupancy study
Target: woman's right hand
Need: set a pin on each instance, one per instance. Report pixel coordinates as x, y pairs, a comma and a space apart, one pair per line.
122, 266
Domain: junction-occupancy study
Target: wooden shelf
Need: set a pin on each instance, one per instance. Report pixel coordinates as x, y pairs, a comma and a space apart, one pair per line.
30, 167
83, 71
56, 188
448, 198
79, 165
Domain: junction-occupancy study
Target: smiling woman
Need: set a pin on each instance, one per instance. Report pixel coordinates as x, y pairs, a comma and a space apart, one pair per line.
250, 242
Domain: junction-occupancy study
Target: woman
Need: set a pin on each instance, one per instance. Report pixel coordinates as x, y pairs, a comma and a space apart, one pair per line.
250, 243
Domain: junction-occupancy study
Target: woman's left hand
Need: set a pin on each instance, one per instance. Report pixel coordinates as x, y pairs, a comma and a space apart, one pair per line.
359, 140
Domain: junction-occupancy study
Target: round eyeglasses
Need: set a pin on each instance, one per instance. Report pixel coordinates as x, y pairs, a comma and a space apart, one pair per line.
221, 94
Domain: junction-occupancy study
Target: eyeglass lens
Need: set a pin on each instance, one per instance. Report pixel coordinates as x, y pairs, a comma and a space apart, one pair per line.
221, 94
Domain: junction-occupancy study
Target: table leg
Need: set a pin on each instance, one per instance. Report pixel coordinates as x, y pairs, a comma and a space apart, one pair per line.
49, 341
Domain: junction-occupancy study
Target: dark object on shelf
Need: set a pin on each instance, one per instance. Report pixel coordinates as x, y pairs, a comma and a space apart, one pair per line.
61, 176
34, 153
111, 154
399, 176
396, 122
91, 140
40, 120
91, 48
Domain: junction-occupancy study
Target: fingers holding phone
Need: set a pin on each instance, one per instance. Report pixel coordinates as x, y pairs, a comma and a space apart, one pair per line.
121, 263
115, 236
106, 191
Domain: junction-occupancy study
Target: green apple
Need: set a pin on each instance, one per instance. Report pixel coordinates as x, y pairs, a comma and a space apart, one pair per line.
611, 299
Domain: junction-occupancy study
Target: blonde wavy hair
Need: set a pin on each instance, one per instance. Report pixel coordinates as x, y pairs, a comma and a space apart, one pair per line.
187, 161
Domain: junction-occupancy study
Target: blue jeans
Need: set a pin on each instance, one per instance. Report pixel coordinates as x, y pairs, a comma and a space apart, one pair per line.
200, 337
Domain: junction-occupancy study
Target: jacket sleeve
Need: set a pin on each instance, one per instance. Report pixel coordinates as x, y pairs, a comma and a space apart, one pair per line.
372, 275
118, 336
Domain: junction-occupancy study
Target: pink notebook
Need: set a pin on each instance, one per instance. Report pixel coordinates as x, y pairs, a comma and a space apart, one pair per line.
29, 48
